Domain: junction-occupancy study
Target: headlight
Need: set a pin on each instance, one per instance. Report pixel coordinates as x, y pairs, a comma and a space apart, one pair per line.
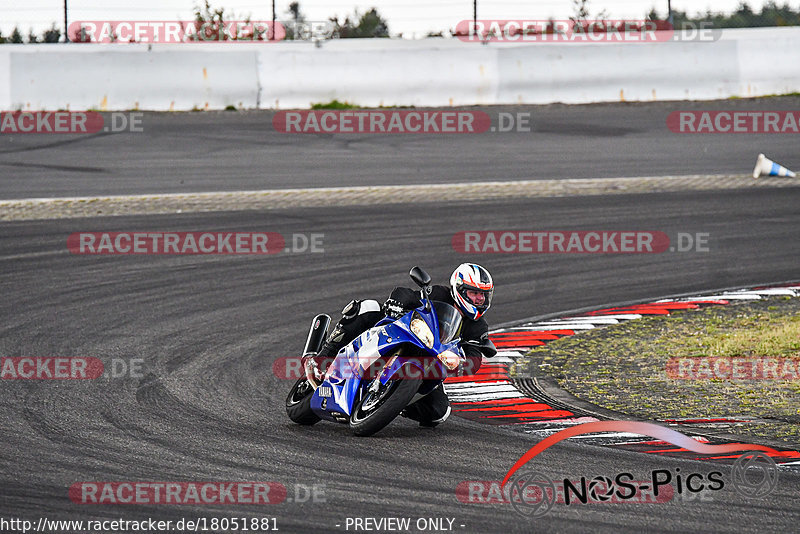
450, 359
422, 331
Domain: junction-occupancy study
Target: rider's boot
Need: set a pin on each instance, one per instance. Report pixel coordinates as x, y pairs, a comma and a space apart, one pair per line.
431, 410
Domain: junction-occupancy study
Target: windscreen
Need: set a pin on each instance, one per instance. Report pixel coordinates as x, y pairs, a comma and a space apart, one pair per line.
449, 321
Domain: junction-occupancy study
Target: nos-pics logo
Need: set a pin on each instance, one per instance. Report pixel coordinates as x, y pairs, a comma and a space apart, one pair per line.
532, 494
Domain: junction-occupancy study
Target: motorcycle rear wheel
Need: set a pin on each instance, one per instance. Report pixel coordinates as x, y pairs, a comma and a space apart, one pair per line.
298, 403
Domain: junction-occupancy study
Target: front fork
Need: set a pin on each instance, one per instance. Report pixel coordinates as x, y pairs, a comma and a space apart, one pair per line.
384, 377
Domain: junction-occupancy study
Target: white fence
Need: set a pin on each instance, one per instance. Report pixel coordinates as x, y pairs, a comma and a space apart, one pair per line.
373, 72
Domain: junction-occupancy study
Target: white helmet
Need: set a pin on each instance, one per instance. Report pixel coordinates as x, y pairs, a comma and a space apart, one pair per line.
471, 277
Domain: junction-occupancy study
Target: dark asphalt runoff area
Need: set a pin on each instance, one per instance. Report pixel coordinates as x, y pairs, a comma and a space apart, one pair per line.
206, 405
235, 151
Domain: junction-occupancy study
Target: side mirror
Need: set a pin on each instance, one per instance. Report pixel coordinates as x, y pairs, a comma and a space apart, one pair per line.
420, 277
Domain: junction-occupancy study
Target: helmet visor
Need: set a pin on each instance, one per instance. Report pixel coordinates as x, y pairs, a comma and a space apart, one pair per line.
480, 298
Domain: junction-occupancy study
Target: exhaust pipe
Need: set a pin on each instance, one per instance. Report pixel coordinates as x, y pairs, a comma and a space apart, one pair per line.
317, 334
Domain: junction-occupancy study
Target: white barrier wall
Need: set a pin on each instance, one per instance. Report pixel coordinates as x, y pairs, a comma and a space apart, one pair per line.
375, 72
5, 81
122, 77
665, 71
768, 63
383, 73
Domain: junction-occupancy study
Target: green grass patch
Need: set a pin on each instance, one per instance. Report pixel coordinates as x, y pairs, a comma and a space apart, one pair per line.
762, 335
623, 367
764, 96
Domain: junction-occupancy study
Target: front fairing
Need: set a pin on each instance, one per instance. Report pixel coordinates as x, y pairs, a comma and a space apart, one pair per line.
433, 368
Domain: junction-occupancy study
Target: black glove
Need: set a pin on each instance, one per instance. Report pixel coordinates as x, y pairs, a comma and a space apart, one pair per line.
408, 298
393, 309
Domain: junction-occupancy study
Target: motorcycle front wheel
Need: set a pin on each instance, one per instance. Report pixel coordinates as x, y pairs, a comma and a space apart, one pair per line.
379, 408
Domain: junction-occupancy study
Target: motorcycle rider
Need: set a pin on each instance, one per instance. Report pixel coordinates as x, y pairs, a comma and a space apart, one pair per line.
470, 292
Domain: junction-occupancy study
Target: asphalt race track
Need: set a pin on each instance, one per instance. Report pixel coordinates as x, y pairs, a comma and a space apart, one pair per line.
234, 151
206, 405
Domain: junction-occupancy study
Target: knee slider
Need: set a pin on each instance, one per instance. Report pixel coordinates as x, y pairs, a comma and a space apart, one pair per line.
350, 311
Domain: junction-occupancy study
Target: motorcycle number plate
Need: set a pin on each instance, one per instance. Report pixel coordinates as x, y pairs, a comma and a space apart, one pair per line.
324, 391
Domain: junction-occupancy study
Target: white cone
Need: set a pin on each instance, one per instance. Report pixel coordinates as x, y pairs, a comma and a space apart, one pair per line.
766, 166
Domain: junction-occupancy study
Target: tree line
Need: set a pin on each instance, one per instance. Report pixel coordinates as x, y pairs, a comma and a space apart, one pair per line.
50, 35
771, 14
368, 24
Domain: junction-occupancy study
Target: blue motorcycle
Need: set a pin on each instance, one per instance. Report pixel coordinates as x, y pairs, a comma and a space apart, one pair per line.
385, 369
